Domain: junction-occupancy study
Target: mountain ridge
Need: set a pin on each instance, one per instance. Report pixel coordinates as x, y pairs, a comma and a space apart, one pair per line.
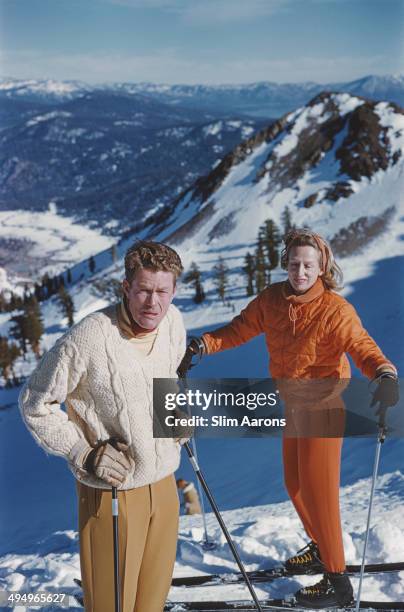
343, 134
265, 98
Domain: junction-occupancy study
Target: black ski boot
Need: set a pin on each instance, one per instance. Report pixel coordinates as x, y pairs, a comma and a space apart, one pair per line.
332, 590
306, 561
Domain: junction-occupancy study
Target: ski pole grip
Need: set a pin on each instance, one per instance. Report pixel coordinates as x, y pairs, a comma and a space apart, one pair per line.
115, 506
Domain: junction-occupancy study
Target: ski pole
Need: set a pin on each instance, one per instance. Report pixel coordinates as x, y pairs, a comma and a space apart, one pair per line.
117, 584
380, 439
222, 524
207, 544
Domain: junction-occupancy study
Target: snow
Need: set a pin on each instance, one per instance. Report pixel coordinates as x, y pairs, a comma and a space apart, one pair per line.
233, 124
47, 117
214, 129
347, 103
394, 122
43, 554
246, 131
4, 283
60, 88
301, 121
54, 236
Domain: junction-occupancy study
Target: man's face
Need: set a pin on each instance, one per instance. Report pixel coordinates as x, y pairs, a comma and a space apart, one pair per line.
303, 268
149, 296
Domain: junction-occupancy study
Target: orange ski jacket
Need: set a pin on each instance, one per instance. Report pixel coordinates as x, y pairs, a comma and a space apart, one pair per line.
308, 336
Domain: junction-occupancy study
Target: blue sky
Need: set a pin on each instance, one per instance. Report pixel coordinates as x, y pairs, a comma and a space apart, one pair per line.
201, 41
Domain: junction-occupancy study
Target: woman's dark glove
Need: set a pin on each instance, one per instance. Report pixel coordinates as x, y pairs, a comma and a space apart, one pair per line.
387, 392
386, 395
196, 347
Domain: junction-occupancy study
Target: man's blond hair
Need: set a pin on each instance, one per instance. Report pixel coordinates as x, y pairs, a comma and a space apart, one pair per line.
154, 256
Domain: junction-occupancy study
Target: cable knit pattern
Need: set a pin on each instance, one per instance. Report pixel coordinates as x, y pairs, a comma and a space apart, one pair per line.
106, 386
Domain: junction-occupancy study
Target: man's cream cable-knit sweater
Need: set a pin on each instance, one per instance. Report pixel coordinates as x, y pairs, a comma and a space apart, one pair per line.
107, 388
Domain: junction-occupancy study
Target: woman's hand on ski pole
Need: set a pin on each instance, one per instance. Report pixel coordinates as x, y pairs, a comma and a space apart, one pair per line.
195, 348
386, 394
110, 461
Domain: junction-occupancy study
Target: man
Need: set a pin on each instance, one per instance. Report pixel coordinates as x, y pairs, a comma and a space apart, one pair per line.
103, 370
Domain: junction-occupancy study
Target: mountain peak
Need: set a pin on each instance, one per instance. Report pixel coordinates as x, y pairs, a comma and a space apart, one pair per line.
319, 155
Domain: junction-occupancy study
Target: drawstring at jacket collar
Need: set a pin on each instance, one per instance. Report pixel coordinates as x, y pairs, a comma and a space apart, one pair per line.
296, 301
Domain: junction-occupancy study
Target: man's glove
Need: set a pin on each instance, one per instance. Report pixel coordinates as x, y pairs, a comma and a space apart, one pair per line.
110, 462
196, 347
183, 433
387, 393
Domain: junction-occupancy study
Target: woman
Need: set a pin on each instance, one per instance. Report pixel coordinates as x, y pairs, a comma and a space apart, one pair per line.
309, 329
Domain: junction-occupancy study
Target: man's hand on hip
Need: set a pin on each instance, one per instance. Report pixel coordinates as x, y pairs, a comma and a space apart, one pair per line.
109, 461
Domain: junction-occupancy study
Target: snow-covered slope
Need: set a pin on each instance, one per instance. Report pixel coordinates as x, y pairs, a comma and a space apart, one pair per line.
39, 542
336, 163
33, 244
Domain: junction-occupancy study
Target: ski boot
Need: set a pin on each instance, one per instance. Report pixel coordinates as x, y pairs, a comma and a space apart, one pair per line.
332, 590
307, 560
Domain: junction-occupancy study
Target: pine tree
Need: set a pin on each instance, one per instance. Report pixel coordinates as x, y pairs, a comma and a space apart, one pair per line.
91, 264
286, 219
249, 270
8, 355
67, 305
15, 302
19, 330
38, 292
199, 296
69, 276
270, 239
55, 284
194, 276
220, 278
260, 267
47, 284
34, 324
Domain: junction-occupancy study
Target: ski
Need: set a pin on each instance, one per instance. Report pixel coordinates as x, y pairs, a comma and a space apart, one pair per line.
272, 604
79, 598
266, 604
267, 575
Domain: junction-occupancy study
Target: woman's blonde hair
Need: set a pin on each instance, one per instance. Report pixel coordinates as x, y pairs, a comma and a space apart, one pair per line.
332, 273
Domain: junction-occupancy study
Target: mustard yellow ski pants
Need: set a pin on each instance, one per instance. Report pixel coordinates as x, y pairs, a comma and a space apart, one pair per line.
148, 529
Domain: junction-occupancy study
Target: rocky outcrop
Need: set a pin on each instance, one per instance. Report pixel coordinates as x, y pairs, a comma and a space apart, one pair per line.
360, 233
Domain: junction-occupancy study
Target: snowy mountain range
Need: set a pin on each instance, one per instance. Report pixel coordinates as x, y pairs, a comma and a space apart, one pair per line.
105, 159
266, 98
337, 165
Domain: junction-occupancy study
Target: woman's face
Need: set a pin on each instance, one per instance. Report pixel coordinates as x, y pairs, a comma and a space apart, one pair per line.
303, 267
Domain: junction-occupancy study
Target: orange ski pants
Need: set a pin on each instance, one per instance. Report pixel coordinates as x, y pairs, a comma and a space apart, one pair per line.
312, 479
